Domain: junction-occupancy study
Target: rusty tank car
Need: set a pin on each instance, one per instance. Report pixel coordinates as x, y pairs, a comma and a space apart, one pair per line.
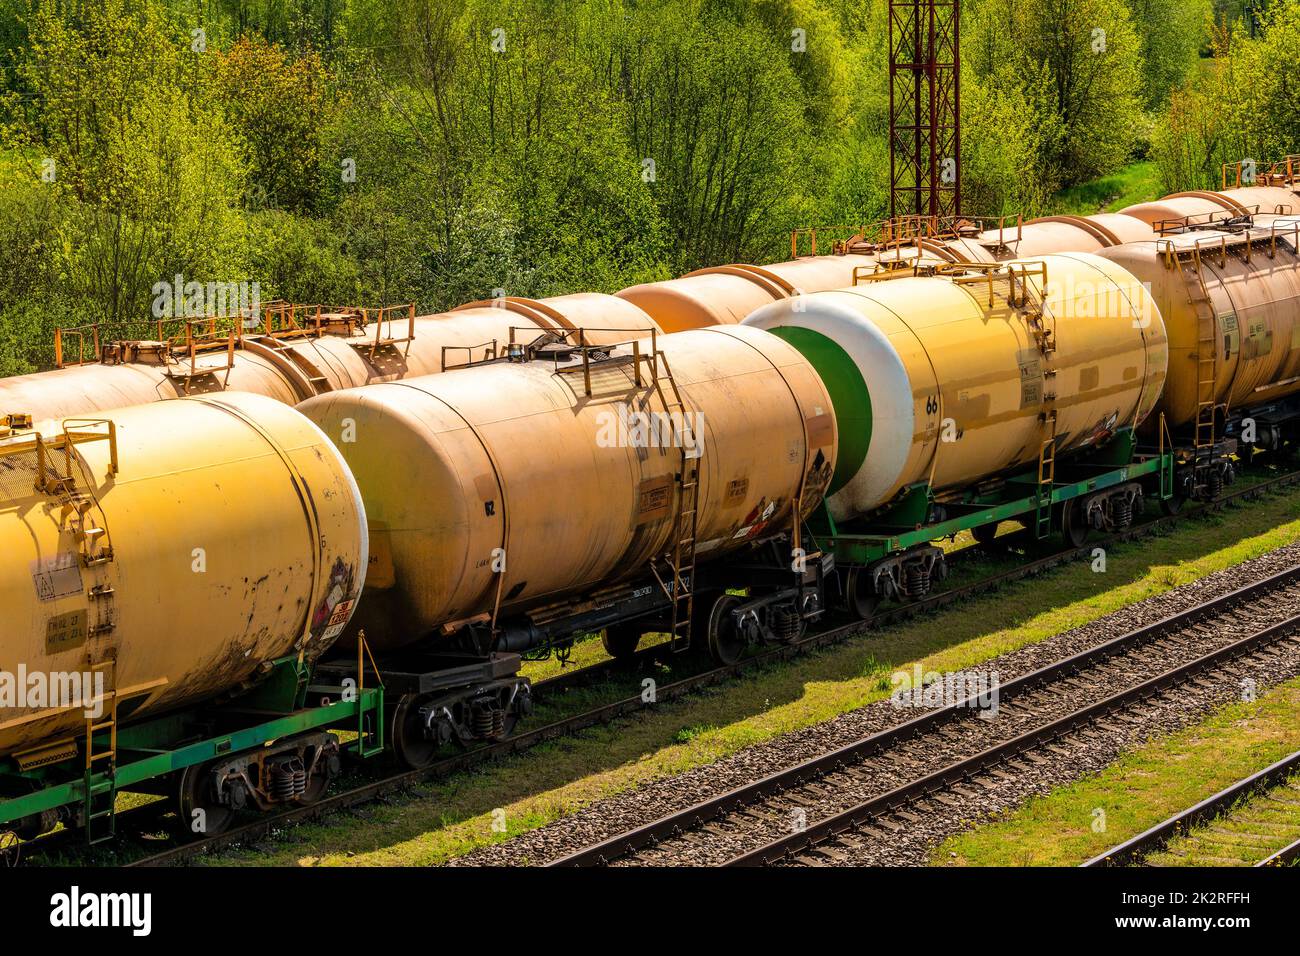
161, 555
1229, 303
571, 490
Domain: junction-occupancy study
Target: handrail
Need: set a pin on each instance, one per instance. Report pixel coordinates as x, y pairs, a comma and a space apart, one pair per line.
901, 230
183, 336
1206, 220
1172, 251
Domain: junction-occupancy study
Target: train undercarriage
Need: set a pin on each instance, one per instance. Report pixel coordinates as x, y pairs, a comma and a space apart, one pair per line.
277, 745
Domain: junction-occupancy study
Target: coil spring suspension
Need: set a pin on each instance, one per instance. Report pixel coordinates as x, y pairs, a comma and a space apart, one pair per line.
786, 623
1121, 511
1214, 483
916, 580
488, 721
288, 779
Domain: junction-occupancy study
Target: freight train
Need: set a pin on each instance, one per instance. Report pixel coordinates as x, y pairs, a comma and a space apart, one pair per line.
224, 588
292, 352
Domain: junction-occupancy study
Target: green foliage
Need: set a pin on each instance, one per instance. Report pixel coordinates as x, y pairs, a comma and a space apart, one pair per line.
1010, 130
1136, 183
717, 109
277, 105
435, 151
1244, 106
1078, 63
1171, 33
132, 148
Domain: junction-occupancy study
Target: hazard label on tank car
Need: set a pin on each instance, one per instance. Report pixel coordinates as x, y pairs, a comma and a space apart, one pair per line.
338, 620
654, 499
1031, 378
56, 577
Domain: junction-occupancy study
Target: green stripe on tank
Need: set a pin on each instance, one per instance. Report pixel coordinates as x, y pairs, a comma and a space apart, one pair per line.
850, 399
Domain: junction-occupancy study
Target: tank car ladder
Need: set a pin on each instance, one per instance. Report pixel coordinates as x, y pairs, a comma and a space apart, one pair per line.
682, 550
81, 508
1044, 334
82, 511
105, 818
1207, 347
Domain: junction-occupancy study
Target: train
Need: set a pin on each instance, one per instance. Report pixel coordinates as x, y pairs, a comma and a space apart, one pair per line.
335, 539
295, 352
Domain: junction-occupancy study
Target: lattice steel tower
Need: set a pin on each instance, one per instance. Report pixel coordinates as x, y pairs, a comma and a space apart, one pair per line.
924, 108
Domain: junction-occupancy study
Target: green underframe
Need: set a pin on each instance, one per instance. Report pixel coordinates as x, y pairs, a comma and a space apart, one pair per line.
903, 525
148, 750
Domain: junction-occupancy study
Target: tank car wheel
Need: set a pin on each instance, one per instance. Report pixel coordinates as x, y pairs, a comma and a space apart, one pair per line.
1074, 524
11, 849
726, 643
861, 594
410, 744
621, 640
200, 813
327, 768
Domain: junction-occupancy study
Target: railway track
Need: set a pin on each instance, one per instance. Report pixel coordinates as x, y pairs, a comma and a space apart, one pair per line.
1276, 777
823, 809
142, 819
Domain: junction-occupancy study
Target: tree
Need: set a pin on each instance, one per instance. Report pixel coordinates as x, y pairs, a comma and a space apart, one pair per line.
279, 104
131, 140
1172, 33
1090, 57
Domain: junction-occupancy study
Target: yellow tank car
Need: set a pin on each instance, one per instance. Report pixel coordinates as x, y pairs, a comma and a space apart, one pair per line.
168, 553
518, 484
956, 378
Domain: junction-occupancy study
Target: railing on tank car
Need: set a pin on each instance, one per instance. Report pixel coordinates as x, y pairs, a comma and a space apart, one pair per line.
962, 273
1221, 219
1283, 172
180, 339
576, 339
1173, 252
904, 230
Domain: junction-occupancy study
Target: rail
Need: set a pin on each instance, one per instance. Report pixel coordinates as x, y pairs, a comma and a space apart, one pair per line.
1158, 836
776, 783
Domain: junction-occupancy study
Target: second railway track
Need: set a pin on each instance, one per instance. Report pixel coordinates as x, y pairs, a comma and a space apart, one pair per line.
1280, 781
822, 810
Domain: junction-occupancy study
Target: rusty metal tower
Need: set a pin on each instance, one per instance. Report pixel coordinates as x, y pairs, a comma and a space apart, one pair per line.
924, 108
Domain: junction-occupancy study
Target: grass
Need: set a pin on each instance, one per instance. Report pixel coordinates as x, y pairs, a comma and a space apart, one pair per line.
1253, 830
451, 817
1141, 789
1135, 183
